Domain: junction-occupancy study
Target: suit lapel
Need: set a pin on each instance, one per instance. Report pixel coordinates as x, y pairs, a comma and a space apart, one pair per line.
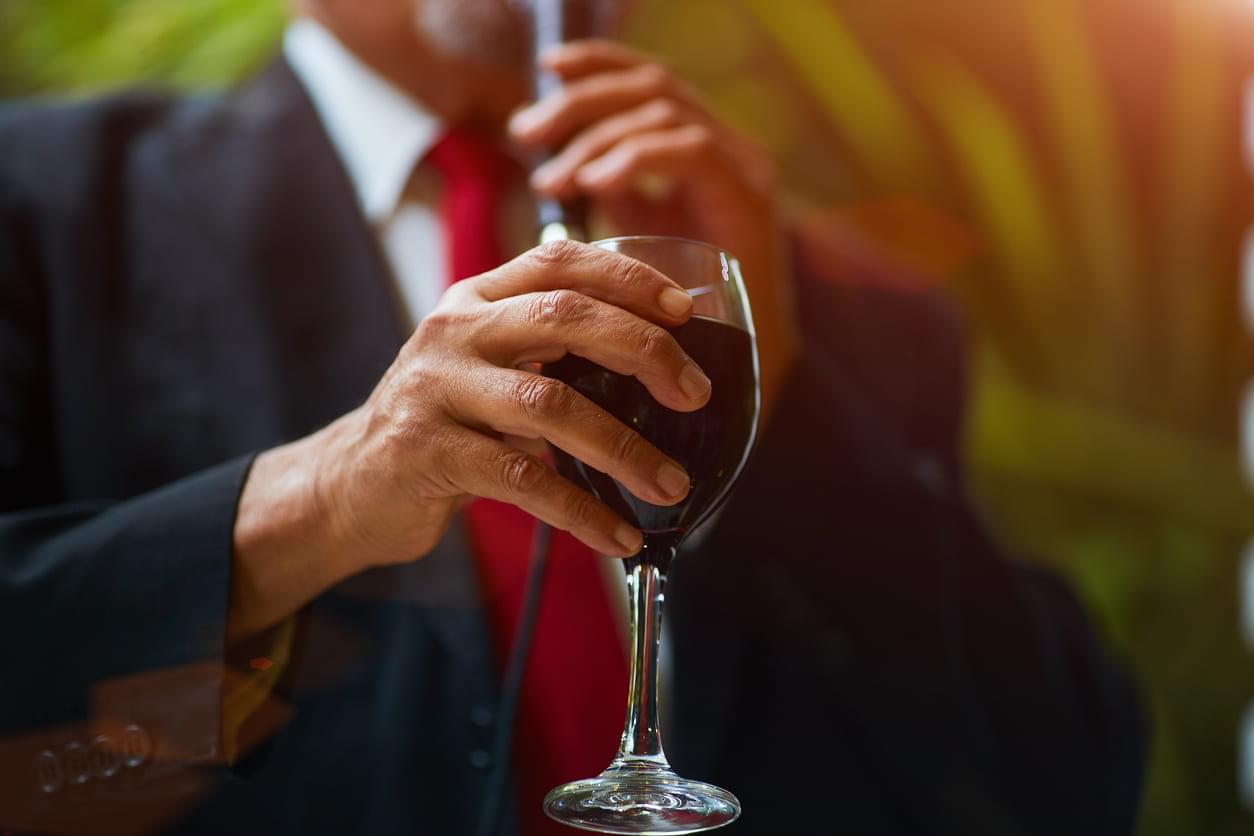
261, 176
270, 191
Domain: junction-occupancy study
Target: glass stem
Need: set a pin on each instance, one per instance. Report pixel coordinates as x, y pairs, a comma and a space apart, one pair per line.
641, 745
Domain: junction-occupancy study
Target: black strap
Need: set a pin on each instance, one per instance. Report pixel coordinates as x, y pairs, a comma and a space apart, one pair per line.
503, 738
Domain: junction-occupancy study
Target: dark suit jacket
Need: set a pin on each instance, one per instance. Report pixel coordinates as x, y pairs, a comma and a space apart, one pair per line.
184, 282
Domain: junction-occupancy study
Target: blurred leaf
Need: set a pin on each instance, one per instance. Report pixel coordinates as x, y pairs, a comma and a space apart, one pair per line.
94, 45
1008, 200
870, 115
1104, 455
1094, 186
1193, 126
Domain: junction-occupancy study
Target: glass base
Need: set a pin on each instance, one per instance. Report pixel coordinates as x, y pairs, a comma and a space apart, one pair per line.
626, 800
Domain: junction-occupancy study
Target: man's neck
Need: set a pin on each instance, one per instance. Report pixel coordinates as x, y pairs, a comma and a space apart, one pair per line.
455, 91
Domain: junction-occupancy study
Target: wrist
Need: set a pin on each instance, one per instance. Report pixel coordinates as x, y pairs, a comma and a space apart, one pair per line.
335, 487
280, 506
287, 547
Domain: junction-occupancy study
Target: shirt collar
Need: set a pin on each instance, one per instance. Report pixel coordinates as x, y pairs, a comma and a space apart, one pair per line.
379, 132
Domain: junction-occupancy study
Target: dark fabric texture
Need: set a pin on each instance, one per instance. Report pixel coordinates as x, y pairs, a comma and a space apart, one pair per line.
184, 282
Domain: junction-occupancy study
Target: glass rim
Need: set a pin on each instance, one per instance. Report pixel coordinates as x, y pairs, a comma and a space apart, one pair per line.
714, 248
728, 258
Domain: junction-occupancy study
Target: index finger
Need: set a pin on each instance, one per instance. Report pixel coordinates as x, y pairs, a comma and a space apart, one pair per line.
609, 276
593, 55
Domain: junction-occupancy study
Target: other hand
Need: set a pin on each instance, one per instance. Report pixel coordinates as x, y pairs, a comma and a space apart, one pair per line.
639, 142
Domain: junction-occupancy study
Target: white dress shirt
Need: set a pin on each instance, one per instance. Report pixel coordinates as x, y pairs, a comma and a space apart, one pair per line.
381, 134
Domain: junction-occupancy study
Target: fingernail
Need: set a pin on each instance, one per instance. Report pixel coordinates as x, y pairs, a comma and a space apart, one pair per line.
524, 120
672, 480
694, 382
630, 539
544, 177
674, 301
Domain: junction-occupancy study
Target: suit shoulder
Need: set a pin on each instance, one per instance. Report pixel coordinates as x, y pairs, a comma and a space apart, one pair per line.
885, 321
55, 153
902, 351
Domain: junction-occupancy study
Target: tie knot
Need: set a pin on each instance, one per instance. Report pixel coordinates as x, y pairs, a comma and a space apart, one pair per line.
463, 157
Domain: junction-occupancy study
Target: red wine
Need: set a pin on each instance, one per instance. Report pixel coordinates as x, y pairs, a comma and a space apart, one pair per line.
711, 443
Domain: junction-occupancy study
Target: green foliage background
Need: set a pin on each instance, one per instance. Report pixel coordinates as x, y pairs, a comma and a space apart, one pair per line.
1089, 153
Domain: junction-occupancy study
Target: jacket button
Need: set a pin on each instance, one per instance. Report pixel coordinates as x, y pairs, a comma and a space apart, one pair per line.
105, 759
479, 759
48, 771
481, 717
77, 763
136, 746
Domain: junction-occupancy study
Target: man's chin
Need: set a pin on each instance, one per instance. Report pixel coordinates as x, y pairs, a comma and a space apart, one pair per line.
487, 33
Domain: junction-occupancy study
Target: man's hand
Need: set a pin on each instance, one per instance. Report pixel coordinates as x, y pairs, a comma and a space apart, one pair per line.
381, 484
639, 142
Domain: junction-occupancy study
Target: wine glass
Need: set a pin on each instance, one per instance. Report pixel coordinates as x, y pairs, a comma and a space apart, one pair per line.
638, 792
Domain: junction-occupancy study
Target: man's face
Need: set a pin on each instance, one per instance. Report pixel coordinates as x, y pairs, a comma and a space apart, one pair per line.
495, 34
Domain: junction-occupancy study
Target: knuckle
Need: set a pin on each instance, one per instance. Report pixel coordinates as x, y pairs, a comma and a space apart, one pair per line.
442, 326
460, 293
438, 474
404, 426
656, 343
407, 420
409, 380
434, 326
559, 252
628, 446
421, 377
540, 396
581, 510
637, 274
519, 472
553, 306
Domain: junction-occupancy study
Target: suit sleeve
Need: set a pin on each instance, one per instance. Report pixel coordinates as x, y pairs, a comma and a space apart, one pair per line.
113, 612
120, 609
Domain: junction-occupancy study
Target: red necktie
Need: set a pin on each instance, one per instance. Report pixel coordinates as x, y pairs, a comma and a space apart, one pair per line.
573, 697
